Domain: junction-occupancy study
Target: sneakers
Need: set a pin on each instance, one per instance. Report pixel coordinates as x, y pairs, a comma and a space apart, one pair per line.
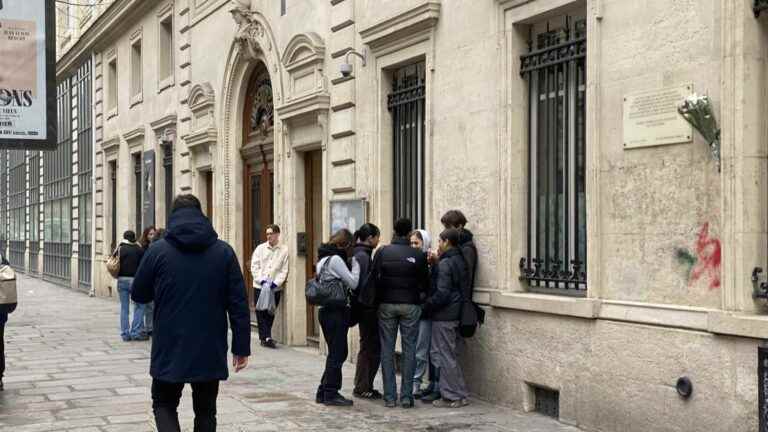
390, 403
337, 400
431, 397
445, 403
406, 403
269, 343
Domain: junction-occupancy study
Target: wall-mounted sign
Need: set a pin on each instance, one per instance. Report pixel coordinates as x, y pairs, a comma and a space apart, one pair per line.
349, 214
148, 188
651, 118
27, 74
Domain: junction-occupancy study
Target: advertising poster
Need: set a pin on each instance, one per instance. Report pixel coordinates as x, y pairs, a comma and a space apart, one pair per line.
27, 75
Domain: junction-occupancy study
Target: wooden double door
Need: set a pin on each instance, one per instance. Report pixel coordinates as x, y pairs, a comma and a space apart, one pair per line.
259, 211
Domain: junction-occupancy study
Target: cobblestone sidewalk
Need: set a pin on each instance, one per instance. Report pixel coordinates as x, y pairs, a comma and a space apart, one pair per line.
68, 370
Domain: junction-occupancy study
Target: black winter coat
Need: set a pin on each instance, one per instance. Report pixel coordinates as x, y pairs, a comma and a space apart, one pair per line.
196, 283
130, 258
444, 301
401, 273
469, 250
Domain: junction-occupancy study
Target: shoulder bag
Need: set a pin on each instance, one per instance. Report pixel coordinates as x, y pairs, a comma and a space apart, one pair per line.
8, 293
326, 290
113, 263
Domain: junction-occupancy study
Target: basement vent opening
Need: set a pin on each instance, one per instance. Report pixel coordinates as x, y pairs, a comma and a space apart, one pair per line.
547, 401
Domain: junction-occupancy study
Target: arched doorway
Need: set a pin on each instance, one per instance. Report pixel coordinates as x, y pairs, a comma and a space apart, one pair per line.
258, 164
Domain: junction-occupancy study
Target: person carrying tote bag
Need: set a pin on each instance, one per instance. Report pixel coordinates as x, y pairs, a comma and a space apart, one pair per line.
8, 303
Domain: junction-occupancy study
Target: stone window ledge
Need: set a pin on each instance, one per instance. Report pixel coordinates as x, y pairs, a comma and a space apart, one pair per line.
739, 324
549, 304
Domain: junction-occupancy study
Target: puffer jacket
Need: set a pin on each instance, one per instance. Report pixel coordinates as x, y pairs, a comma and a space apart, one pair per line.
444, 301
401, 273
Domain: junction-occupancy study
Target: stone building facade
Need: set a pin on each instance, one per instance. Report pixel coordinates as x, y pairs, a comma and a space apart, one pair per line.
609, 268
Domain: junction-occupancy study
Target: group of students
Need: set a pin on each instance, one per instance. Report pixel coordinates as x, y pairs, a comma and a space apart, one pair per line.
403, 286
130, 253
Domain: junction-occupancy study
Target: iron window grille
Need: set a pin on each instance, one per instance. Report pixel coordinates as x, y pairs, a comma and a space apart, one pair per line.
759, 6
168, 173
3, 202
556, 74
113, 211
85, 172
57, 187
406, 103
34, 212
137, 187
17, 179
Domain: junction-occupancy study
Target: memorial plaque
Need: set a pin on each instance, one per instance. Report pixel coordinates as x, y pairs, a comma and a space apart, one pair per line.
651, 117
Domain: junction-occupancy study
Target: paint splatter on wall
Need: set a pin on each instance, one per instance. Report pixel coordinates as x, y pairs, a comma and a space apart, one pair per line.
704, 260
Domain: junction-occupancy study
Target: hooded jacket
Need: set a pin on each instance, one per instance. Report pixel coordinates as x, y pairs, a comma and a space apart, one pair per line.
196, 283
469, 250
451, 285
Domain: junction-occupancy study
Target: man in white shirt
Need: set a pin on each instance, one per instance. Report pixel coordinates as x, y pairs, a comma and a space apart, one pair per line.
269, 268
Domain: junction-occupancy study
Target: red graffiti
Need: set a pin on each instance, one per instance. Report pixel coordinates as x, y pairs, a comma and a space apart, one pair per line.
708, 258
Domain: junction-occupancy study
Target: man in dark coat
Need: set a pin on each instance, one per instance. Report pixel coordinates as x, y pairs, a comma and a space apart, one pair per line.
401, 275
196, 282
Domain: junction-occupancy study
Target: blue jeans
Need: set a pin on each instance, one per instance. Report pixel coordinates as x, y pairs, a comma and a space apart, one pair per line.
136, 329
406, 318
422, 353
149, 315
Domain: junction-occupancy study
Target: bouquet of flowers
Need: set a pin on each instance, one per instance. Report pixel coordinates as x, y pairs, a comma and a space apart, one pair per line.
697, 110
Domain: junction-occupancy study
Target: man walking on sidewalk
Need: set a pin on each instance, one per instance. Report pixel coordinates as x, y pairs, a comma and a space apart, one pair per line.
269, 269
196, 284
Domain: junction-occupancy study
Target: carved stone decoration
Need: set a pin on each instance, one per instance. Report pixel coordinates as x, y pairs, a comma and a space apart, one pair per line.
250, 35
262, 110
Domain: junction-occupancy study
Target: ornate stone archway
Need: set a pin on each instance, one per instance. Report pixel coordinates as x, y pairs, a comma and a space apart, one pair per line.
253, 43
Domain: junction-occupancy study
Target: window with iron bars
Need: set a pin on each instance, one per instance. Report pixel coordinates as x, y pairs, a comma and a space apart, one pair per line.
168, 174
34, 212
555, 70
17, 179
85, 172
406, 103
137, 188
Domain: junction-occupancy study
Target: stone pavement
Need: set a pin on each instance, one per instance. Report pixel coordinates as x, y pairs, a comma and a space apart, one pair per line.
68, 370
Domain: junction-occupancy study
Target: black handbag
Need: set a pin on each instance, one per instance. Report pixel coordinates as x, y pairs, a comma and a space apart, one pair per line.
326, 291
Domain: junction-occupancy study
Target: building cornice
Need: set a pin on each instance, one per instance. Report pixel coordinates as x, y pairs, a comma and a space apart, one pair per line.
110, 145
135, 137
201, 139
316, 102
163, 123
406, 24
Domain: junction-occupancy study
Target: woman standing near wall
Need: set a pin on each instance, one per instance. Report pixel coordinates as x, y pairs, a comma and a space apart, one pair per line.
335, 320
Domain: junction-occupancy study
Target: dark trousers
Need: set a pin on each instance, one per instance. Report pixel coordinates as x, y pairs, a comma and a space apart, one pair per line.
2, 351
165, 402
369, 356
265, 319
335, 324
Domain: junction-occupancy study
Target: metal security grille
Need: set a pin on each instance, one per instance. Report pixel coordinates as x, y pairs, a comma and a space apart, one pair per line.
406, 103
34, 213
547, 402
113, 202
17, 213
557, 245
85, 173
137, 187
168, 173
57, 178
3, 202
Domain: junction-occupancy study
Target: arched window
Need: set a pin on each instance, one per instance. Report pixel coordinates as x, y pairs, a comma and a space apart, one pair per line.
262, 108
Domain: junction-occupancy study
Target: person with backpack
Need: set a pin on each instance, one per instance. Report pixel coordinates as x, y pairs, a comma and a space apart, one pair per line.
401, 275
369, 355
444, 306
335, 319
130, 254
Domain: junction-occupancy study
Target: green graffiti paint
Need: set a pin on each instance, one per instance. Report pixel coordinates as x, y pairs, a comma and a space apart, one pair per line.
685, 258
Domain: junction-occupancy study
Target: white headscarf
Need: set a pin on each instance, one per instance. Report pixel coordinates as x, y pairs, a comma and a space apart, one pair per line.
426, 240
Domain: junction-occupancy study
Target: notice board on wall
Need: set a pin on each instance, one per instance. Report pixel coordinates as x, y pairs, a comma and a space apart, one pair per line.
349, 214
28, 74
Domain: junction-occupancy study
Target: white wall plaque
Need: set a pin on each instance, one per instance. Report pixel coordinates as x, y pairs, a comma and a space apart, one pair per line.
651, 118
